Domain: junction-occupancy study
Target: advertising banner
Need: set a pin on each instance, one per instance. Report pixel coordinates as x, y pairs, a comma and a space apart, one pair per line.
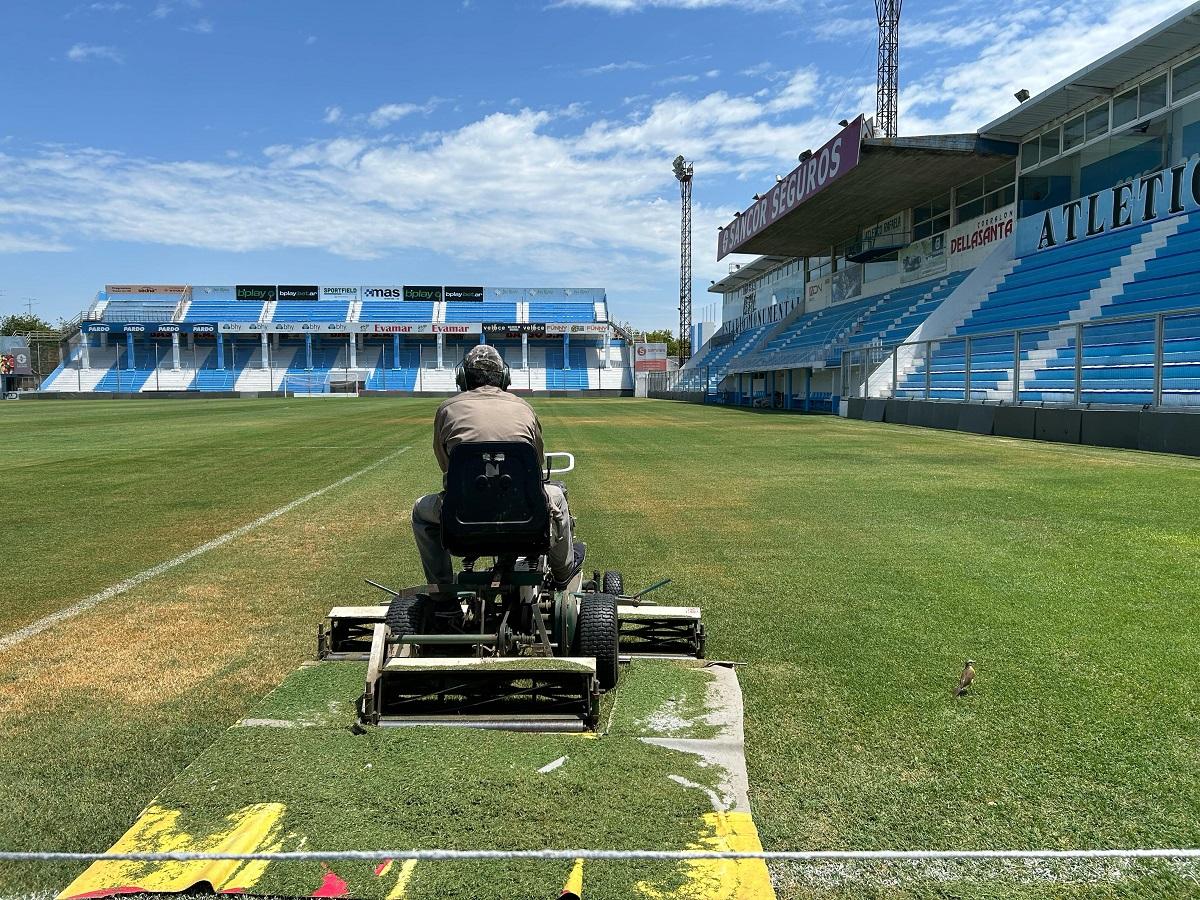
827, 165
125, 289
414, 327
262, 292
15, 358
383, 292
306, 292
339, 293
982, 231
650, 358
514, 329
152, 329
846, 284
242, 327
577, 328
1168, 192
214, 292
464, 294
923, 259
816, 293
426, 293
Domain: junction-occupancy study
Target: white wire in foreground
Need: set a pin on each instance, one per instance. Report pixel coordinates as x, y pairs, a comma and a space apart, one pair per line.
549, 854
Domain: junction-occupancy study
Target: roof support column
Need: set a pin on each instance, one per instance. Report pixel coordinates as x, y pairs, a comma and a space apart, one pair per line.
221, 351
441, 350
524, 350
266, 351
308, 355
129, 353
396, 351
175, 351
566, 350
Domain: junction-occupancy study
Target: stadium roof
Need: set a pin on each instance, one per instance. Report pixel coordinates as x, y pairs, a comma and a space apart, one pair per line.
747, 272
893, 174
1173, 37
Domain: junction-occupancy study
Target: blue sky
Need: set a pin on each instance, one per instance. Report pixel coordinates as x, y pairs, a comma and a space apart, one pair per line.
499, 142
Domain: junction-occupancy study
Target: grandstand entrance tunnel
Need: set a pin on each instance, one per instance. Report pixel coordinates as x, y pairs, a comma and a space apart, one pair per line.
1051, 259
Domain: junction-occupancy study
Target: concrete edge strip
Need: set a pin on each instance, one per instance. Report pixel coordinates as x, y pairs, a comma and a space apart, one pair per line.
8, 641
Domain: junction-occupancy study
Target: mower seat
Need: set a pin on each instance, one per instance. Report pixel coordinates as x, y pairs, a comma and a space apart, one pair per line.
494, 502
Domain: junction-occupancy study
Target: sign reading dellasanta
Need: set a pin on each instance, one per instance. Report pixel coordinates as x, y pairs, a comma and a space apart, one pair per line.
813, 175
650, 358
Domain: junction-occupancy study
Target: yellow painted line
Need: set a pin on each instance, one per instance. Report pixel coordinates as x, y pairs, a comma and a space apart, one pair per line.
252, 829
721, 879
573, 889
402, 880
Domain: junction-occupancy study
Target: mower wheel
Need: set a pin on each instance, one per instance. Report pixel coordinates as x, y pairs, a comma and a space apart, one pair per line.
597, 636
614, 583
406, 615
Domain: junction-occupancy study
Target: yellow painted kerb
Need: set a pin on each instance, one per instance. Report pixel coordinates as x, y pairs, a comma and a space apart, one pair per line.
251, 829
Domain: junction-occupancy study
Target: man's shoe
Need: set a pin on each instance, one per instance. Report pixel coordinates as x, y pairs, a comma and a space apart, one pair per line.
580, 550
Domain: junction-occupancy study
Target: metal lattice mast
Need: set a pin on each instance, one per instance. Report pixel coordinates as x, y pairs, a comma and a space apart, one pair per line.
887, 85
683, 172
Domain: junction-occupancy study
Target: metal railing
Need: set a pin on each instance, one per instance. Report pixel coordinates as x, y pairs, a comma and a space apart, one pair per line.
1146, 360
151, 369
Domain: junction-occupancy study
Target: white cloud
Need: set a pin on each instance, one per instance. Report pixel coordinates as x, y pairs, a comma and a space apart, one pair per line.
639, 5
390, 113
1028, 45
615, 67
201, 26
21, 243
84, 52
310, 40
593, 203
333, 114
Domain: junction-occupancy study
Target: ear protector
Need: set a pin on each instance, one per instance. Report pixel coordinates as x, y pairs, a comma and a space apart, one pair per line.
460, 376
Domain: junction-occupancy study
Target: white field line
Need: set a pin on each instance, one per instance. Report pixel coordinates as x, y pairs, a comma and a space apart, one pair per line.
8, 641
167, 449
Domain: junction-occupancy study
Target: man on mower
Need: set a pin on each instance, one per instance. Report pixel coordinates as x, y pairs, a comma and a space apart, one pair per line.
485, 411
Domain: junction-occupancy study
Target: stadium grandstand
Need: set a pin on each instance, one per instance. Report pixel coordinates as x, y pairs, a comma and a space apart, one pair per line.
323, 339
1050, 258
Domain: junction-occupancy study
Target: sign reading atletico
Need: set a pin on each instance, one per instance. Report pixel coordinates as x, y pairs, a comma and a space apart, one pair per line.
813, 175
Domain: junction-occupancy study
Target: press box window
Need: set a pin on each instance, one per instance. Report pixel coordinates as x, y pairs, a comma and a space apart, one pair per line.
1185, 79
1073, 133
1029, 154
1125, 108
1153, 95
931, 218
1050, 145
1096, 122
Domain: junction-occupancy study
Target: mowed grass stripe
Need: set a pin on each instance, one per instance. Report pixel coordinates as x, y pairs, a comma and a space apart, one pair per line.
88, 520
23, 634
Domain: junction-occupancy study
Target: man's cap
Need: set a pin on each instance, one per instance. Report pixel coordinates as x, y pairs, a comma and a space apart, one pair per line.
484, 359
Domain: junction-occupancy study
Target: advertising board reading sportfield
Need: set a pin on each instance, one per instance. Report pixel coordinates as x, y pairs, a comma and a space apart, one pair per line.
813, 175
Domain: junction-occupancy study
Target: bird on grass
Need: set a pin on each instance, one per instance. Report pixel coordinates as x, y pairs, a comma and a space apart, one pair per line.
964, 680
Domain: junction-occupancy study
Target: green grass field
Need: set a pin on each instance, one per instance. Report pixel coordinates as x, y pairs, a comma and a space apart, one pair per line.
852, 566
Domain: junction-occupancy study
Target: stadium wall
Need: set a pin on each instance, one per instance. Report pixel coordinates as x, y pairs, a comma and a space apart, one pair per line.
1157, 431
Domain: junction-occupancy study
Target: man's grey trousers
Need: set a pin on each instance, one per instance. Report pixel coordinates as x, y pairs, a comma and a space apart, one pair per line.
427, 529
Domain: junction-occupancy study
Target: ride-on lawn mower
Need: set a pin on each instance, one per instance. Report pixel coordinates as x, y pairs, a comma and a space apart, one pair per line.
500, 647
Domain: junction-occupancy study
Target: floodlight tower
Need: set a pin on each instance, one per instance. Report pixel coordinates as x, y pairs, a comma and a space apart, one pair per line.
683, 173
887, 84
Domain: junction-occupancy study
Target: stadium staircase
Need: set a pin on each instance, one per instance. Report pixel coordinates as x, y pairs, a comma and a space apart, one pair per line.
392, 373
1140, 270
561, 378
